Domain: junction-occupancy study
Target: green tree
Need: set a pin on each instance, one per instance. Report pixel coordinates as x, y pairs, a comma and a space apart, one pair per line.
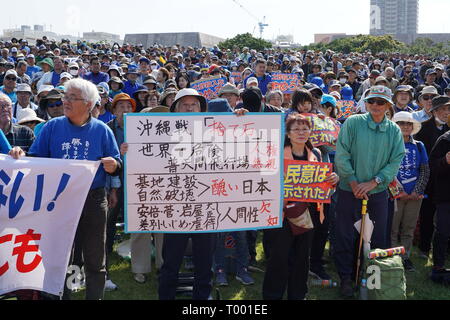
245, 40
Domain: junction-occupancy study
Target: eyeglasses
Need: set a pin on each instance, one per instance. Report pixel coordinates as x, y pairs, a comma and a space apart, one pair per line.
427, 97
379, 102
55, 104
11, 78
71, 99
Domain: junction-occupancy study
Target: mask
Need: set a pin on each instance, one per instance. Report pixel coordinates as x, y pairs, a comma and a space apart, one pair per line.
154, 67
343, 80
73, 72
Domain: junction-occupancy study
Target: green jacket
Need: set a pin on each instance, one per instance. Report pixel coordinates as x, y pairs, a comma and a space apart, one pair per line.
366, 150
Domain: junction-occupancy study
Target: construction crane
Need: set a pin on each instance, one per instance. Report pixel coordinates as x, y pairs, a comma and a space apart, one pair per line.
261, 23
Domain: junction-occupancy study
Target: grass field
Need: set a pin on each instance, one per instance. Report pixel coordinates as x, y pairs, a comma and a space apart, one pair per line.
419, 286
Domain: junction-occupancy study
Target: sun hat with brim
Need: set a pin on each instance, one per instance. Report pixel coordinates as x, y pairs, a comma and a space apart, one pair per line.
123, 97
150, 80
24, 87
160, 109
136, 93
428, 90
167, 93
45, 88
188, 92
404, 88
407, 117
381, 79
229, 88
328, 98
66, 75
439, 101
381, 92
116, 80
54, 94
29, 115
47, 61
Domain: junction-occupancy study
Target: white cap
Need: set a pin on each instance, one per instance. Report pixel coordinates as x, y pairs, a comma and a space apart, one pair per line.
45, 87
28, 115
66, 75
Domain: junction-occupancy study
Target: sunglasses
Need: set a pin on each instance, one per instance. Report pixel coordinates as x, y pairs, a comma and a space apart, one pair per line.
11, 78
427, 97
404, 123
55, 104
379, 102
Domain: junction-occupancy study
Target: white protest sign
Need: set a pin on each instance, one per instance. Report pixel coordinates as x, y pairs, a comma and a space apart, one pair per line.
203, 172
41, 201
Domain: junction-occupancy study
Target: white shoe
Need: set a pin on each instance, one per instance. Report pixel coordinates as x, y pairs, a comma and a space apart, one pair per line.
110, 286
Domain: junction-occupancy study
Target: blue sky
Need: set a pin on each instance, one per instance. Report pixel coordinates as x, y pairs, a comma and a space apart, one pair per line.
223, 18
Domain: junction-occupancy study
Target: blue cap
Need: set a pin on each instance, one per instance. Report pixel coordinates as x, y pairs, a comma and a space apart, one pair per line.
347, 93
219, 105
328, 98
144, 59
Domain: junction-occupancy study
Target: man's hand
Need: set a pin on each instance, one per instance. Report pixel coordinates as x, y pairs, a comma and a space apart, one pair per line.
364, 188
109, 164
447, 157
416, 196
240, 112
16, 153
123, 149
333, 178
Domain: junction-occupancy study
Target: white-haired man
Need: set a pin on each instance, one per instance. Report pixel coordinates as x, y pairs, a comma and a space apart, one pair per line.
77, 135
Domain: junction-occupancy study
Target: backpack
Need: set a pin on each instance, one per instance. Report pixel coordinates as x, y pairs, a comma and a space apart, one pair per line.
392, 280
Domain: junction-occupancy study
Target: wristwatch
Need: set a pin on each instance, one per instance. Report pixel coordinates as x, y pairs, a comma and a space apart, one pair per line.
378, 180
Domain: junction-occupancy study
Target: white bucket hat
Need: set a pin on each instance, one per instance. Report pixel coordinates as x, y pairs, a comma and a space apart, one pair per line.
189, 92
407, 117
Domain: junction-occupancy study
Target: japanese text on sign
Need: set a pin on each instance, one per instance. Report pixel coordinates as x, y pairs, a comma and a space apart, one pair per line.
286, 82
305, 181
40, 204
205, 173
325, 130
209, 88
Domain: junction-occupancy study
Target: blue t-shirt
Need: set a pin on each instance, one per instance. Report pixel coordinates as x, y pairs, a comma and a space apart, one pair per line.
106, 117
4, 144
12, 95
31, 70
60, 139
96, 78
410, 167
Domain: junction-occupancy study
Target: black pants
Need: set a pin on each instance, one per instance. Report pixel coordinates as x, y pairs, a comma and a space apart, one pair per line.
91, 238
287, 266
441, 234
426, 219
111, 228
174, 246
321, 231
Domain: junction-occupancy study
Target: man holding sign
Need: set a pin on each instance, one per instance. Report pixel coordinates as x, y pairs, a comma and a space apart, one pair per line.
79, 136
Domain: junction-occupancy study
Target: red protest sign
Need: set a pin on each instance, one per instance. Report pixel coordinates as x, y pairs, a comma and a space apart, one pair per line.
305, 181
286, 82
346, 108
237, 76
325, 130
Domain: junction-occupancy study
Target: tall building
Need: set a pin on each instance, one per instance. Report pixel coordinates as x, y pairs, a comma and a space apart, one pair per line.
394, 17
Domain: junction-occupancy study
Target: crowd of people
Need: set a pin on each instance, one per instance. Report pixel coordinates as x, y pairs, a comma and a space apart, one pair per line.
399, 134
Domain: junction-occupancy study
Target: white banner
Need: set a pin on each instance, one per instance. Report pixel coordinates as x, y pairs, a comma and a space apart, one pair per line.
208, 172
41, 201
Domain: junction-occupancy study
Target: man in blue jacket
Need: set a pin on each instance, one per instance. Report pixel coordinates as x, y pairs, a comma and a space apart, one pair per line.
260, 73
